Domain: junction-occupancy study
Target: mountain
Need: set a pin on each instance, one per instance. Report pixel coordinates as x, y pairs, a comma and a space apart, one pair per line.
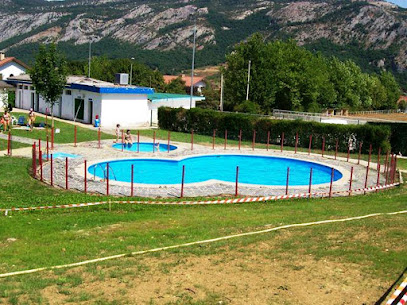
160, 33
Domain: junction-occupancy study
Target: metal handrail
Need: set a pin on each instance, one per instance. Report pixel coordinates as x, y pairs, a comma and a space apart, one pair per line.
104, 172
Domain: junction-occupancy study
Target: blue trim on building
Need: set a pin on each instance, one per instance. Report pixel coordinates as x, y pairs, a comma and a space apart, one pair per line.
118, 90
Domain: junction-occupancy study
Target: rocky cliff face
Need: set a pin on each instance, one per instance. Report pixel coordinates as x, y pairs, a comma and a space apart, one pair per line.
168, 25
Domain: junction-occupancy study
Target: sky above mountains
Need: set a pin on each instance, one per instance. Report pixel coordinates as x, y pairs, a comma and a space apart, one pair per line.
402, 3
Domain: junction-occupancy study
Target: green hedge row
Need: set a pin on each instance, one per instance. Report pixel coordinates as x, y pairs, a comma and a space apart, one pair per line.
204, 121
398, 138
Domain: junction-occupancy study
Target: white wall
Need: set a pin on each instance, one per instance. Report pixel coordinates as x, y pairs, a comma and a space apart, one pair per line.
128, 110
11, 68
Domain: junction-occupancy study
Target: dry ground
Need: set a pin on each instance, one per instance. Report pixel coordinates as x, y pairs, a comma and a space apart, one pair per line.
383, 116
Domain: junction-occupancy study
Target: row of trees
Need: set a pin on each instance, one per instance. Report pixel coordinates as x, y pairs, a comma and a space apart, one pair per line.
286, 76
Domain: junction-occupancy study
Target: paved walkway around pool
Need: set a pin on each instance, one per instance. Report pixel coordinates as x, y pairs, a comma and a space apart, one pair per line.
91, 152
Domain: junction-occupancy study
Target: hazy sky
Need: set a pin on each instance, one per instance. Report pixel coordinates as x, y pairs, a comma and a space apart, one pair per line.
402, 3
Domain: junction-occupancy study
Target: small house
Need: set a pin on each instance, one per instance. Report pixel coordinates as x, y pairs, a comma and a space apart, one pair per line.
198, 82
11, 66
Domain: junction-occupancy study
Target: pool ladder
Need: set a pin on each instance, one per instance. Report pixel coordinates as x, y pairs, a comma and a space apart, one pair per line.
104, 172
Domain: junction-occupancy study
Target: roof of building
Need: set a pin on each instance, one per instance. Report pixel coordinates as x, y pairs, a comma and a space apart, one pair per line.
90, 84
11, 59
162, 97
403, 98
4, 85
186, 79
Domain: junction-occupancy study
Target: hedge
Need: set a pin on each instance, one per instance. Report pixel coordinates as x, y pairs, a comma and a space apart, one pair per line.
398, 138
204, 121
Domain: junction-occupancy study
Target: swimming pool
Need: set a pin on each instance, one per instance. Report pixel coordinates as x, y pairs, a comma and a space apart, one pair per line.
260, 170
60, 155
144, 147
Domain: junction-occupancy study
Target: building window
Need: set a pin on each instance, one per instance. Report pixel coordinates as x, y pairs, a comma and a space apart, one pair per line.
25, 87
68, 92
20, 86
32, 88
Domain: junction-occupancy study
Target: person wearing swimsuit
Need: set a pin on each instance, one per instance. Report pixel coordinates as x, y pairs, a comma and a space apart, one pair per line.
6, 118
128, 139
31, 119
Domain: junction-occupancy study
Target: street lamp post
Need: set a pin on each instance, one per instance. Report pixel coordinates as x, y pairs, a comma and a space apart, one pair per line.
131, 71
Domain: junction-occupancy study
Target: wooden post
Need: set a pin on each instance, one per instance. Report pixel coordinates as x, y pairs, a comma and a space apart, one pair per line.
350, 180
66, 173
75, 137
237, 182
52, 170
268, 139
282, 142
182, 181
254, 139
240, 138
192, 139
310, 183
360, 151
132, 181
85, 180
332, 180
336, 148
168, 142
287, 181
323, 146
226, 138
296, 142
107, 179
310, 143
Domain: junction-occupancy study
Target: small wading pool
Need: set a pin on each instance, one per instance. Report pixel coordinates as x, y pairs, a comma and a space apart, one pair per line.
260, 170
144, 147
60, 155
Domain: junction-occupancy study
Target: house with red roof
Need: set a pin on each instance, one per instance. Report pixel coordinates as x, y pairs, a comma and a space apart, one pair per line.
199, 83
11, 66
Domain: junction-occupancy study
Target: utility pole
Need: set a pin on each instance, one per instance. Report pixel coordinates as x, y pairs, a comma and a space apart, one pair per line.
90, 57
248, 81
193, 66
131, 71
221, 92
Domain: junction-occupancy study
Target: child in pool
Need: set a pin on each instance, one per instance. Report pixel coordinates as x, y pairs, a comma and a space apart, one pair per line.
128, 139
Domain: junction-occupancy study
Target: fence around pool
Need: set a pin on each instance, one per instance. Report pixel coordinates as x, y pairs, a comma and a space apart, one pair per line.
385, 166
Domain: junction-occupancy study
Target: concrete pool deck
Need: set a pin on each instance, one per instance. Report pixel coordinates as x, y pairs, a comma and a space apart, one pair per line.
91, 152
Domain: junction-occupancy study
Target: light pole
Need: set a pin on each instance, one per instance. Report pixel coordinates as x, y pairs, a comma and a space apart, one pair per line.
131, 71
248, 81
193, 65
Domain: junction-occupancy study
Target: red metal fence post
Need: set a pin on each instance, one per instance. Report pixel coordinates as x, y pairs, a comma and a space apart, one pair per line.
370, 155
40, 161
168, 144
395, 169
367, 176
323, 146
153, 141
350, 181
52, 137
336, 148
360, 151
9, 144
310, 183
66, 173
237, 182
282, 142
34, 160
347, 157
213, 139
268, 139
39, 147
52, 170
132, 181
287, 181
85, 180
240, 138
192, 139
226, 138
99, 137
107, 179
182, 181
254, 139
138, 141
47, 147
332, 180
310, 143
385, 162
296, 142
75, 136
378, 176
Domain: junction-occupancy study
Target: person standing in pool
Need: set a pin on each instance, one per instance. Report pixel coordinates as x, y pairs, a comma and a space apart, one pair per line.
128, 139
117, 132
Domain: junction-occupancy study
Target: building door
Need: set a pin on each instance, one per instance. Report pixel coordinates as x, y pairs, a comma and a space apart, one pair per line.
79, 111
37, 103
32, 99
90, 111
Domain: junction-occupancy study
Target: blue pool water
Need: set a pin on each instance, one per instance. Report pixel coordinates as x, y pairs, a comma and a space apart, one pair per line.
144, 147
261, 170
60, 155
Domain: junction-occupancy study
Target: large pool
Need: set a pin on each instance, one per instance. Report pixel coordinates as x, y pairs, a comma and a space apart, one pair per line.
144, 147
261, 170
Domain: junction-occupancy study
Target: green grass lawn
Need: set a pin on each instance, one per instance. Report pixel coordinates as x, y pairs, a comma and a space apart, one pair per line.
15, 145
66, 134
402, 163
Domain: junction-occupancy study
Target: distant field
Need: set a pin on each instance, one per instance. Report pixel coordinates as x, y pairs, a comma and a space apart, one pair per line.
384, 116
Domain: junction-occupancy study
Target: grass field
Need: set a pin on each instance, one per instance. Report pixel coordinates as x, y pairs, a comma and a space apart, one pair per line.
333, 261
15, 145
66, 134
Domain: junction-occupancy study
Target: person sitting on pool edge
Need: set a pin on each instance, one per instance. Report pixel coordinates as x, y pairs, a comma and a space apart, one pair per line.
128, 139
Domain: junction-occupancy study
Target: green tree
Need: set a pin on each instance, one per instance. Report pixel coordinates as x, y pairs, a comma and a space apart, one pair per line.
49, 74
392, 88
177, 85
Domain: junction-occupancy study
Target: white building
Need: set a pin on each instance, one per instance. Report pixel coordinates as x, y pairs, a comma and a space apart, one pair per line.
11, 66
85, 98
